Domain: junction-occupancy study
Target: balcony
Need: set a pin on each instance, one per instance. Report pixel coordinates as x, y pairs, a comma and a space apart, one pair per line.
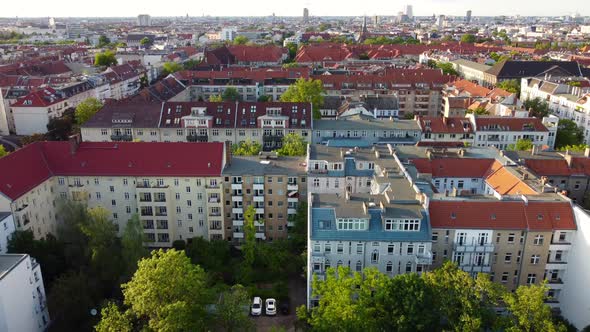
424, 259
236, 186
556, 265
291, 211
237, 199
197, 138
560, 246
258, 186
261, 235
214, 200
488, 247
556, 283
258, 223
161, 213
212, 186
237, 210
258, 199
214, 214
160, 199
237, 223
484, 268
259, 210
238, 235
147, 185
292, 187
121, 138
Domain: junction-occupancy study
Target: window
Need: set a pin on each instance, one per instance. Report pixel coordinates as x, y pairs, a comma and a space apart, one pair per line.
352, 224
316, 183
327, 246
359, 266
531, 278
504, 277
359, 248
535, 259
538, 240
375, 256
389, 267
340, 248
408, 267
511, 238
61, 181
461, 238
390, 249
482, 239
508, 258
410, 249
434, 236
317, 247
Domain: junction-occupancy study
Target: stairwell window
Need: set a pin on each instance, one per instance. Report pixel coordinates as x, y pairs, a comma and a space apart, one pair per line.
375, 257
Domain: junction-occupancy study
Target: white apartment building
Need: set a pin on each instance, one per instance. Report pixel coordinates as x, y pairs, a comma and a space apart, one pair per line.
6, 230
564, 101
501, 132
23, 305
178, 196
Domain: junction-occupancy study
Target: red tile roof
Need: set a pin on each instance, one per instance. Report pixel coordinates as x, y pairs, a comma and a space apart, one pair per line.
30, 166
537, 215
549, 167
506, 183
253, 54
453, 167
442, 125
40, 98
508, 124
473, 89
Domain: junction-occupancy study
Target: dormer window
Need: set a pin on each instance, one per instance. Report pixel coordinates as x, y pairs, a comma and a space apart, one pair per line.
453, 215
540, 216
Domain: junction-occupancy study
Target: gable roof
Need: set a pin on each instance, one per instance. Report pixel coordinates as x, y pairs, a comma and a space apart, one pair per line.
453, 167
485, 123
512, 69
37, 162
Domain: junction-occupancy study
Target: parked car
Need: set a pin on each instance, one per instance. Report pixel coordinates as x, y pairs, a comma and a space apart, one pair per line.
284, 307
271, 307
256, 309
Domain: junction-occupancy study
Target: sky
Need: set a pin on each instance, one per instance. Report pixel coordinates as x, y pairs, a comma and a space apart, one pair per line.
112, 8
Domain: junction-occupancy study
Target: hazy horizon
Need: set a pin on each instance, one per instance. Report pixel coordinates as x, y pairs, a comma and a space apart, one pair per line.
235, 8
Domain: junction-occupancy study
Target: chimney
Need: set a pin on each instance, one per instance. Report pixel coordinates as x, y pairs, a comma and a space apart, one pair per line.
568, 158
347, 195
525, 176
455, 192
74, 141
228, 153
534, 150
587, 152
444, 119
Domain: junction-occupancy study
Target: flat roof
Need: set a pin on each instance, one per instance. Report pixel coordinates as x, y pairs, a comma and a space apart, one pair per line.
9, 262
241, 165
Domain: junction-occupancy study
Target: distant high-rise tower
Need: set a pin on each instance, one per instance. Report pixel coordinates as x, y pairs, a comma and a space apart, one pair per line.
305, 15
376, 21
409, 12
468, 17
144, 20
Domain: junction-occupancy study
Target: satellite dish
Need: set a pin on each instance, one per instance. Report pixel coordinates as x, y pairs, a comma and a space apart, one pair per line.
93, 312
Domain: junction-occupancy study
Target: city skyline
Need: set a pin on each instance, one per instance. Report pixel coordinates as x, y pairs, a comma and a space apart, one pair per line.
111, 8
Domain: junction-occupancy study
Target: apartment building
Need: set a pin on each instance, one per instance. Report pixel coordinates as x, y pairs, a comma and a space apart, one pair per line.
177, 196
124, 80
500, 132
517, 241
454, 131
23, 304
263, 122
564, 100
274, 186
363, 131
6, 230
364, 212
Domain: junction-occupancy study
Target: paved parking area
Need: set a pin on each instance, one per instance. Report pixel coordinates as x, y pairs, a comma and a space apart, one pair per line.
297, 297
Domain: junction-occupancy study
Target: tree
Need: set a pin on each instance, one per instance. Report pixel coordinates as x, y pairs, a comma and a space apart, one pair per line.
478, 111
539, 108
86, 110
171, 67
215, 98
293, 145
213, 256
241, 40
574, 148
306, 91
132, 245
521, 145
512, 86
528, 311
249, 247
103, 41
70, 300
143, 81
191, 64
232, 309
292, 47
264, 99
409, 116
568, 133
113, 320
447, 68
168, 292
468, 38
59, 129
230, 94
246, 148
105, 59
3, 151
145, 42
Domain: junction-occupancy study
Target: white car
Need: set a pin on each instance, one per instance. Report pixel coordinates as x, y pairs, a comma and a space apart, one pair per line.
271, 307
256, 309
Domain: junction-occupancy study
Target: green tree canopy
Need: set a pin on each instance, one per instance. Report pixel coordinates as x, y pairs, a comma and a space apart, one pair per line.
103, 41
568, 133
447, 68
306, 91
293, 145
168, 292
468, 38
478, 111
132, 245
171, 67
59, 129
113, 320
145, 41
191, 64
574, 148
86, 110
529, 311
512, 86
521, 145
233, 308
241, 40
105, 59
215, 98
3, 151
231, 94
246, 148
539, 108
